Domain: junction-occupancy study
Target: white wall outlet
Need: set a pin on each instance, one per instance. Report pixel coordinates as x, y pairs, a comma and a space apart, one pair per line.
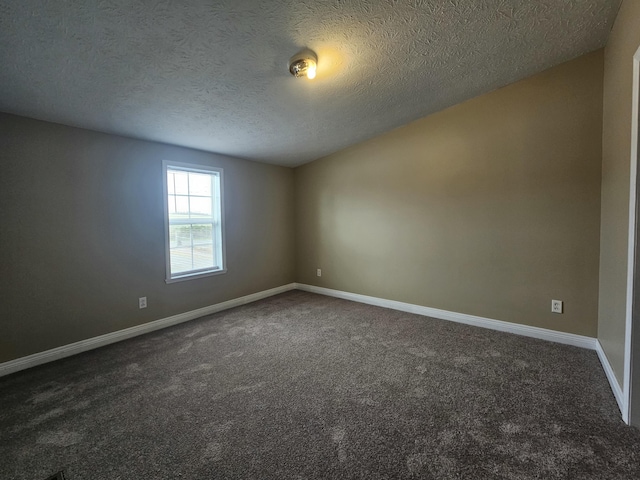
556, 306
319, 272
142, 302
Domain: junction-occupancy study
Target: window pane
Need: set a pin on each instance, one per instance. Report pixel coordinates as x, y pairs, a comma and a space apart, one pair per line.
203, 257
170, 182
202, 234
181, 260
200, 207
200, 184
179, 236
181, 182
181, 207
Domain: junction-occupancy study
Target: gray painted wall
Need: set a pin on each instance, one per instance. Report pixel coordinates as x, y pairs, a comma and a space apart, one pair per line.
82, 234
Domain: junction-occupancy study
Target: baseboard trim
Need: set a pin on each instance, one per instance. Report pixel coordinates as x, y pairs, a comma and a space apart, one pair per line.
64, 351
613, 381
23, 363
502, 326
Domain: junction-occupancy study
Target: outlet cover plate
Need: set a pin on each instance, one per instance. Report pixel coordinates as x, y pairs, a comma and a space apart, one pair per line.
556, 306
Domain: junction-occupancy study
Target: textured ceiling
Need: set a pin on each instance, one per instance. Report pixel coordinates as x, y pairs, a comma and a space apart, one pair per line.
213, 74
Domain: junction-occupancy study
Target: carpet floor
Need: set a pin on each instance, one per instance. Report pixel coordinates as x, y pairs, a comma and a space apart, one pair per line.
303, 386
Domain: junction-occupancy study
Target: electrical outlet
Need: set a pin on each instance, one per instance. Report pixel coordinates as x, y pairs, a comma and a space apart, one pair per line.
142, 302
319, 272
556, 306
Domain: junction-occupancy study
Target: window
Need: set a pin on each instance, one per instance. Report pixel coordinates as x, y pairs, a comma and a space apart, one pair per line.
193, 221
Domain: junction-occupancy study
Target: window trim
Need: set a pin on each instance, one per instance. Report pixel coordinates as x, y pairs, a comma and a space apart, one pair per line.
192, 274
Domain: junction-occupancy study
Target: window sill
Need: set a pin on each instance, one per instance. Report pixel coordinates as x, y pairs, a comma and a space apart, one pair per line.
194, 276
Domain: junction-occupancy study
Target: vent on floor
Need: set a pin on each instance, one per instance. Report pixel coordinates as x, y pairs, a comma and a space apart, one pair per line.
57, 476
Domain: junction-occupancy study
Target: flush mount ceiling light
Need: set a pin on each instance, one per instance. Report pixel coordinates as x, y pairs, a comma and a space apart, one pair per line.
303, 64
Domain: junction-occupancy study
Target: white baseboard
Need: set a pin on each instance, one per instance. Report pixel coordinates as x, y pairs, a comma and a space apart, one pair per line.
23, 363
535, 332
613, 381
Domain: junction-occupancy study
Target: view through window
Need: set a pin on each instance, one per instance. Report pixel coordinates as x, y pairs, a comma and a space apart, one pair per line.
194, 221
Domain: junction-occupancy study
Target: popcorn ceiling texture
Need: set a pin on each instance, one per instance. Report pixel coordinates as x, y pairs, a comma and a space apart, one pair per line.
213, 75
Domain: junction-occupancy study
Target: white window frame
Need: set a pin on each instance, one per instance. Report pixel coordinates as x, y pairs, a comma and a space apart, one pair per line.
217, 213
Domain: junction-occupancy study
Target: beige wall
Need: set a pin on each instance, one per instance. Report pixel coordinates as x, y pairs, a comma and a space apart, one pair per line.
623, 42
490, 208
82, 234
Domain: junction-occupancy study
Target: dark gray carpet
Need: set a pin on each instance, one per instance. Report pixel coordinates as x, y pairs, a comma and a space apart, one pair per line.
302, 386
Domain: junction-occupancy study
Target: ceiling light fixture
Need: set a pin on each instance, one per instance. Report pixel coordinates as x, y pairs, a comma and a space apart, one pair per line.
304, 64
